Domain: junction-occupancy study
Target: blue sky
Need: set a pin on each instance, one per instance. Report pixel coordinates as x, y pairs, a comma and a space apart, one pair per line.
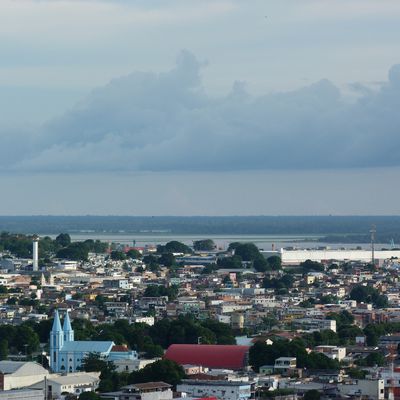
194, 96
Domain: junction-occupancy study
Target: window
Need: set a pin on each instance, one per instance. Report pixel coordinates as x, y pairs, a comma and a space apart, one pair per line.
55, 356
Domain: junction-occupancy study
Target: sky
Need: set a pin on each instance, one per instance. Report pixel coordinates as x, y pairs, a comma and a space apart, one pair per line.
218, 107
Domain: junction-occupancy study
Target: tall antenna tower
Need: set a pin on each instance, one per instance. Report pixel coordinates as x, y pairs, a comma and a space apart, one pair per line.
373, 232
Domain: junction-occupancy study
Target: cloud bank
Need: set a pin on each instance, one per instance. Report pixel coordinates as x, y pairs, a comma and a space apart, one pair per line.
164, 122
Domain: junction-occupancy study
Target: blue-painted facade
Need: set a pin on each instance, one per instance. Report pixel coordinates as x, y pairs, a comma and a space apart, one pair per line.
66, 354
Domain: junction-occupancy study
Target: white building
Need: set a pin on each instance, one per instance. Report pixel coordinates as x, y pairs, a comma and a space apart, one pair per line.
75, 383
223, 390
373, 388
142, 391
315, 324
145, 320
125, 365
295, 257
67, 265
283, 364
20, 374
333, 352
23, 394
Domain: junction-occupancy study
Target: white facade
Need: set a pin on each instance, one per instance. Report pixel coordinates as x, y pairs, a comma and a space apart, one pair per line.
24, 394
374, 388
223, 390
333, 352
75, 383
145, 320
293, 257
20, 374
315, 324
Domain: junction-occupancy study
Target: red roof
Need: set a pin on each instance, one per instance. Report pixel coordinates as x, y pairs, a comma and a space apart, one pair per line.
119, 348
209, 355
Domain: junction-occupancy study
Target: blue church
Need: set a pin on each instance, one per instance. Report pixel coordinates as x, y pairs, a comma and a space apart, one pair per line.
66, 354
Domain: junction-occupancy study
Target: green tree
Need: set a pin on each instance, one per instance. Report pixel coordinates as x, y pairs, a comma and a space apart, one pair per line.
163, 370
372, 360
177, 247
275, 262
3, 349
234, 262
117, 255
204, 245
89, 396
134, 254
260, 264
167, 259
356, 373
76, 251
248, 251
309, 265
368, 294
63, 239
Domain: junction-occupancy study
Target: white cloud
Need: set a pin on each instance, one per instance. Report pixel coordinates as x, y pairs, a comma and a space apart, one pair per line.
165, 121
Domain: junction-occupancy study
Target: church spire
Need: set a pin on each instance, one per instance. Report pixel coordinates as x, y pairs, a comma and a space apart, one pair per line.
56, 342
67, 329
56, 324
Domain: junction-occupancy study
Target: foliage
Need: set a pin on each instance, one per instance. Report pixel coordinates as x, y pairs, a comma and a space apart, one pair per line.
262, 354
285, 282
117, 255
209, 269
77, 251
248, 251
110, 380
134, 254
174, 247
372, 360
186, 329
275, 262
21, 338
368, 294
63, 240
356, 373
163, 370
234, 262
167, 259
159, 290
19, 245
3, 349
309, 266
89, 396
204, 245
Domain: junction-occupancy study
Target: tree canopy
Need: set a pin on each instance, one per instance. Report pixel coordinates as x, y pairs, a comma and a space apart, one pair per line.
368, 294
204, 245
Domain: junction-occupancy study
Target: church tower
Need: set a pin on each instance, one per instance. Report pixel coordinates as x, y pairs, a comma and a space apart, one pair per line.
56, 342
67, 329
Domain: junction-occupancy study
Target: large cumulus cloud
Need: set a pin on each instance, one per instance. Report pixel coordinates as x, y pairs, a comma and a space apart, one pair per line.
166, 121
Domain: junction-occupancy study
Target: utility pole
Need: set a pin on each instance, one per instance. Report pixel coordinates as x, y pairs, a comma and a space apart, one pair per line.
373, 232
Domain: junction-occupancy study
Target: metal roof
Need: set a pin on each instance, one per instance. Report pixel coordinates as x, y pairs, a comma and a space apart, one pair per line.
87, 347
207, 355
